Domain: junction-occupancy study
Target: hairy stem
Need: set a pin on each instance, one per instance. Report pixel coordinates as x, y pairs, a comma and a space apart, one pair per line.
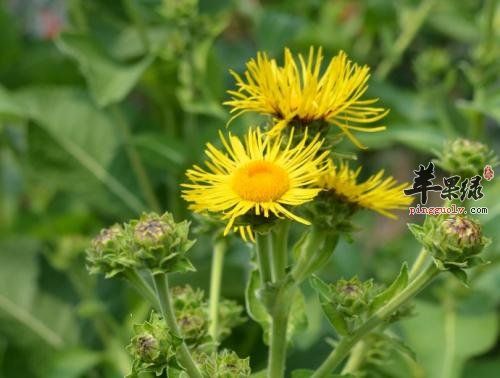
185, 358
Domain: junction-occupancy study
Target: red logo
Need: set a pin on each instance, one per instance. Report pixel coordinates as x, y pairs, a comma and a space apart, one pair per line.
488, 173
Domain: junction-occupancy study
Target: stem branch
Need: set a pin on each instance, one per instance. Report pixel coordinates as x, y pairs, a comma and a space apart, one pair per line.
185, 358
346, 343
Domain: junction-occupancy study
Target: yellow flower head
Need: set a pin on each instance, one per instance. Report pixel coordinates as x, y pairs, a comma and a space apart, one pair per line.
259, 176
302, 91
377, 193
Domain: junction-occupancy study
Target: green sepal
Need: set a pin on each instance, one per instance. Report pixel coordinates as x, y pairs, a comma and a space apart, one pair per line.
336, 319
396, 287
461, 275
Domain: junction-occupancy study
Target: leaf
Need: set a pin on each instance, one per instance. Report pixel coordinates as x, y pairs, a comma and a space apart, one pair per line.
396, 287
84, 131
109, 81
9, 109
321, 287
335, 318
20, 300
444, 339
73, 363
297, 320
255, 309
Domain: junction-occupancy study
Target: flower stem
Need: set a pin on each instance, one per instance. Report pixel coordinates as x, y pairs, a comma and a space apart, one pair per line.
262, 249
277, 351
215, 283
346, 343
279, 258
184, 356
355, 358
419, 263
142, 286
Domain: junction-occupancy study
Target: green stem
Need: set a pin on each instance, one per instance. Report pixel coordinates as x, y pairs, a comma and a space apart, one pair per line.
410, 30
162, 291
215, 284
262, 249
419, 263
277, 351
356, 358
136, 162
279, 259
346, 343
143, 287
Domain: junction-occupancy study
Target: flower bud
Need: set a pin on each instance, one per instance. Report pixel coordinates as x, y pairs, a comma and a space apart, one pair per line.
225, 364
151, 231
353, 296
193, 324
451, 240
108, 253
465, 158
153, 347
146, 347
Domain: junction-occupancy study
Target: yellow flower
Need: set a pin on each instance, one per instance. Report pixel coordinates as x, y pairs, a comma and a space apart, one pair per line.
302, 92
377, 193
259, 176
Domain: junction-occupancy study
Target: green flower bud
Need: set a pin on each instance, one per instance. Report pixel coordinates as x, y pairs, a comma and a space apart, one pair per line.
225, 364
465, 158
229, 317
328, 211
352, 297
146, 347
160, 244
108, 252
186, 297
153, 242
451, 240
151, 232
153, 347
193, 324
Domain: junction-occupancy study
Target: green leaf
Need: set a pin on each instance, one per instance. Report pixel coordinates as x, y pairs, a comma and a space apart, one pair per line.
336, 319
396, 287
9, 108
79, 127
109, 81
73, 363
444, 339
255, 309
297, 321
321, 288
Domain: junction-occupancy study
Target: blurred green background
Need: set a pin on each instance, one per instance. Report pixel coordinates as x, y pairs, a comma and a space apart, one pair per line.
104, 104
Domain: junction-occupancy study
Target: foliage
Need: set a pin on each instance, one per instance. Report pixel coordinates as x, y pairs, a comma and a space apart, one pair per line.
103, 105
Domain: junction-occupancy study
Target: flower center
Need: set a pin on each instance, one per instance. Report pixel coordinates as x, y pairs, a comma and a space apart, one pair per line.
260, 181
